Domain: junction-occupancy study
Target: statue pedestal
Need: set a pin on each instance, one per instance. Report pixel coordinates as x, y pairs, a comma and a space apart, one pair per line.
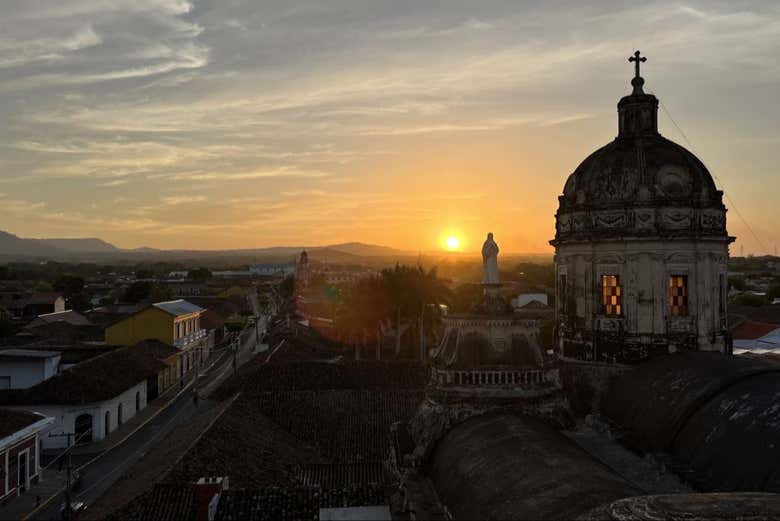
491, 290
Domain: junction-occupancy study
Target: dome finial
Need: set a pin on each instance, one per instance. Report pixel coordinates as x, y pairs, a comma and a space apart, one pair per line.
638, 81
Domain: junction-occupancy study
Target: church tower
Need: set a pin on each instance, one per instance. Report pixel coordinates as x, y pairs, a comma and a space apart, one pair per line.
641, 247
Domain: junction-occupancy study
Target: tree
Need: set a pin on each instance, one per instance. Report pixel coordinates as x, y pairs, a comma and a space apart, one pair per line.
738, 283
72, 288
430, 293
137, 292
398, 284
465, 297
362, 309
200, 274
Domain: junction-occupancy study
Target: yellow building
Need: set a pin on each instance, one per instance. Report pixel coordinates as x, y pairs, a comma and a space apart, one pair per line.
176, 323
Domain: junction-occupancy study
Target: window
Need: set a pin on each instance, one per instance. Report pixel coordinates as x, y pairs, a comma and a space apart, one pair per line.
611, 295
119, 417
562, 293
107, 426
678, 295
137, 401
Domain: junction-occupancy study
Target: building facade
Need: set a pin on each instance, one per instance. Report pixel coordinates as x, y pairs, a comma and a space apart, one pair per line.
641, 247
23, 368
176, 323
20, 458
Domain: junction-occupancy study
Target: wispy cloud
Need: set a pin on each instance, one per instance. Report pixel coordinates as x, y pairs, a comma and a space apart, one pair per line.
175, 200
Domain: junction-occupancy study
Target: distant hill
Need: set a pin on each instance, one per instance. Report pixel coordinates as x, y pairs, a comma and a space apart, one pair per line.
15, 247
91, 245
367, 250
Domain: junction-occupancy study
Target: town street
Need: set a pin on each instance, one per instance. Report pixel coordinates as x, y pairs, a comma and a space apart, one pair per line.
98, 475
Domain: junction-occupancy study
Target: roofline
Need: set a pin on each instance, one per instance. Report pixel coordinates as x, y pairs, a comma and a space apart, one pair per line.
26, 432
39, 353
155, 305
58, 313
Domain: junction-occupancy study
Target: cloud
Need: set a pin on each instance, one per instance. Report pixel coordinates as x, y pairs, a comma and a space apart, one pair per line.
15, 52
326, 103
175, 200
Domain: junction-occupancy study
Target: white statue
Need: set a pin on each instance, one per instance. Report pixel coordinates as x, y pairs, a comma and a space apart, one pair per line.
490, 261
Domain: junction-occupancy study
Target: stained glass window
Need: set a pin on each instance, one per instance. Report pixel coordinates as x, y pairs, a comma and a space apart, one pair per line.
612, 295
678, 295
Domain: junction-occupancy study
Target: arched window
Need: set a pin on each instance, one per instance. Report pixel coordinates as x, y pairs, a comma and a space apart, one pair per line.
107, 426
137, 401
83, 428
119, 415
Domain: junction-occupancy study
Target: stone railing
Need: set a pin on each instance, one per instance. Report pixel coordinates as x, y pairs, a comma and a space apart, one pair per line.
492, 377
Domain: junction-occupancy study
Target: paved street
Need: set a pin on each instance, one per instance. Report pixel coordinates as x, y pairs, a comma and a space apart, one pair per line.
98, 476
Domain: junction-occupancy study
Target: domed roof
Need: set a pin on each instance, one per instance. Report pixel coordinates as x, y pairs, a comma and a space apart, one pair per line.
620, 187
646, 170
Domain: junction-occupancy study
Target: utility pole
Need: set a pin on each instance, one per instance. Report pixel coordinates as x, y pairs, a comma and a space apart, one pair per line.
69, 435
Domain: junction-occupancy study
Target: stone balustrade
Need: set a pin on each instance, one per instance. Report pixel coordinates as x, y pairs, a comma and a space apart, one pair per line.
503, 378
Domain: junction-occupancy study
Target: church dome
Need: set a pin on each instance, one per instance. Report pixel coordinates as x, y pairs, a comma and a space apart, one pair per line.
640, 183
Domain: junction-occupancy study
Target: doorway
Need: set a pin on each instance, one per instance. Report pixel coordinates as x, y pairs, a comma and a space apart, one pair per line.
83, 428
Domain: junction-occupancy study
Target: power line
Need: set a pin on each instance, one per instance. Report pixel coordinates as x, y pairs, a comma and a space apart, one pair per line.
725, 192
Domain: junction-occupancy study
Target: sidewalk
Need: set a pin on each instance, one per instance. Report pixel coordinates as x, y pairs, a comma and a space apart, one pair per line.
54, 479
53, 483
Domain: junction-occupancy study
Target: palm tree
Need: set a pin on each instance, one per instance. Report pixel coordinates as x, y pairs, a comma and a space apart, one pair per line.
362, 310
430, 293
399, 283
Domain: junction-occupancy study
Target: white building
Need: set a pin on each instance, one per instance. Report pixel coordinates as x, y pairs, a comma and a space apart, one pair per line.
92, 399
23, 368
641, 247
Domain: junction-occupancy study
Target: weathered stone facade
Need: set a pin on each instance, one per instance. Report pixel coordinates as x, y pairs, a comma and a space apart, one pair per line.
643, 212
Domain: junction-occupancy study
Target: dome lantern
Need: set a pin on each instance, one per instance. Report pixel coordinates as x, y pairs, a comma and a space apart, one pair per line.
638, 112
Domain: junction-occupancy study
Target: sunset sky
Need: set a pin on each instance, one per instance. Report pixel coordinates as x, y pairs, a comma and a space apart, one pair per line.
231, 124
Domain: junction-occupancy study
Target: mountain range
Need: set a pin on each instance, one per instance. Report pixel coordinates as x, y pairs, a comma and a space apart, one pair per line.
15, 247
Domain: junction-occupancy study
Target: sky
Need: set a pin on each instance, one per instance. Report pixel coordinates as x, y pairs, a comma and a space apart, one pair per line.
214, 124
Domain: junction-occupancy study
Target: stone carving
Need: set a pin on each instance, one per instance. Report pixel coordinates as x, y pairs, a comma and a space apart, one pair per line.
490, 261
564, 224
610, 220
674, 181
613, 184
677, 219
644, 219
713, 220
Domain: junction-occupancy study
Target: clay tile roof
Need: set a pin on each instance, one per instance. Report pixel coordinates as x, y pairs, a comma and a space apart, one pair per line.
100, 378
210, 319
750, 330
164, 502
70, 316
12, 421
42, 298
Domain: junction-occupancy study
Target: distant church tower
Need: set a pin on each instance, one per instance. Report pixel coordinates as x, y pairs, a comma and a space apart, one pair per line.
641, 247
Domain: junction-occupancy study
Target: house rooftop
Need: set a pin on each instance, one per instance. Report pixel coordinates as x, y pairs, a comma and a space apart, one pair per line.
12, 421
178, 308
70, 316
98, 379
27, 353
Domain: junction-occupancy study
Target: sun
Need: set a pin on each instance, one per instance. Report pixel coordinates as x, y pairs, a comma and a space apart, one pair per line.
452, 242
